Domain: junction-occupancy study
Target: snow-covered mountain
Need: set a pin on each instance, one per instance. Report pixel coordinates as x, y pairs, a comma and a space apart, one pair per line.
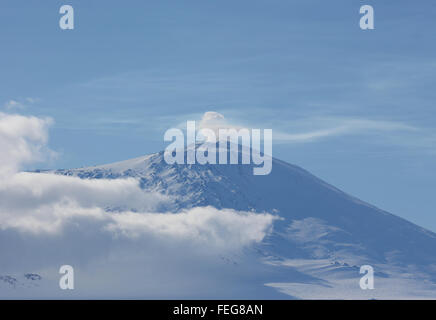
324, 234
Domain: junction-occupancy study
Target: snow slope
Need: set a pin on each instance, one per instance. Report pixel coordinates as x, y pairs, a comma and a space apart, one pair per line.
324, 233
317, 216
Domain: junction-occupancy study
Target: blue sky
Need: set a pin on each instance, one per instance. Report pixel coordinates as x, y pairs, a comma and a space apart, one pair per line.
363, 100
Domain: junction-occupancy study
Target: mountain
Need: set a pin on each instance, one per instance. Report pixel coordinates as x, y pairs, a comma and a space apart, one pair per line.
309, 205
323, 233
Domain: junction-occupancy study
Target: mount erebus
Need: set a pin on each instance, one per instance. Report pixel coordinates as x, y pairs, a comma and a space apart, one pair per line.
319, 239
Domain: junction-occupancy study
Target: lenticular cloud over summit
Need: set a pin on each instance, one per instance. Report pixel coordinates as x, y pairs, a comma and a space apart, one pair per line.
214, 121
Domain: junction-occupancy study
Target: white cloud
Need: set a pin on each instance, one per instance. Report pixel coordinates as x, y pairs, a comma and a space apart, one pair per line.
215, 121
224, 228
22, 140
212, 120
39, 203
45, 203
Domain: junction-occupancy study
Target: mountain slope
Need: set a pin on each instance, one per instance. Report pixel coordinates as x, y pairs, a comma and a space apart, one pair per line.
291, 192
320, 224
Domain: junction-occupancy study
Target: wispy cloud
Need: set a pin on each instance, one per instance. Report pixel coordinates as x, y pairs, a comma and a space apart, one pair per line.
19, 103
12, 104
322, 128
317, 129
